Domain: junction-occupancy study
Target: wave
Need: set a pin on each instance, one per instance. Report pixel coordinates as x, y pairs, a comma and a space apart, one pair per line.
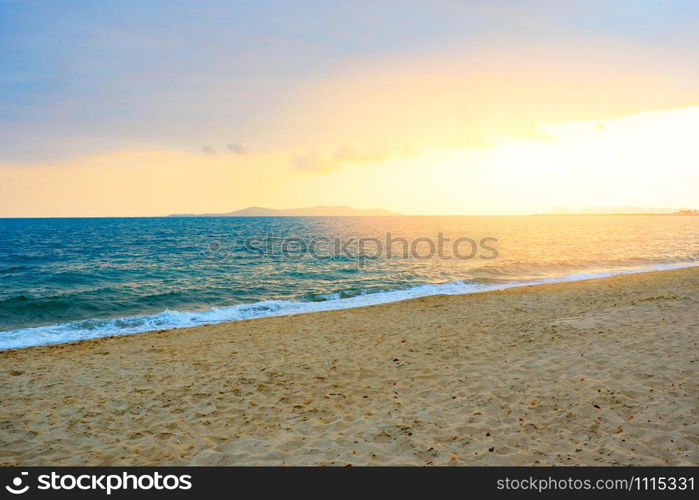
169, 319
14, 269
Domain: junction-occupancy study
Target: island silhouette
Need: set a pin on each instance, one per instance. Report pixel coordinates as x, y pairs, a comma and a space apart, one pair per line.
317, 211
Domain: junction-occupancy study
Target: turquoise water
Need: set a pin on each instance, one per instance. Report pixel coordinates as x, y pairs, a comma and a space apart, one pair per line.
72, 279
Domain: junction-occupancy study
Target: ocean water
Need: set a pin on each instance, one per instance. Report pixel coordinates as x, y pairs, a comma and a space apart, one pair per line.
63, 280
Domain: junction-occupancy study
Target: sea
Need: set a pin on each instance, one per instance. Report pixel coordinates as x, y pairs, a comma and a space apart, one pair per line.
70, 279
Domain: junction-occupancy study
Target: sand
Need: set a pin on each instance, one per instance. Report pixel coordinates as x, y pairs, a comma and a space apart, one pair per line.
588, 373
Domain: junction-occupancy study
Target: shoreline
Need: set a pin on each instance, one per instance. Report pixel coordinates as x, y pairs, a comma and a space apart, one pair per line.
62, 333
593, 372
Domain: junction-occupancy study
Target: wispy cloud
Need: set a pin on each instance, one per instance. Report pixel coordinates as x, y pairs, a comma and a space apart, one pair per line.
312, 162
236, 148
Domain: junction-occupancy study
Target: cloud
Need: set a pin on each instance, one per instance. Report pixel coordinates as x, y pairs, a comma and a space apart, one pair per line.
362, 153
475, 98
237, 148
208, 150
437, 73
312, 162
343, 155
409, 151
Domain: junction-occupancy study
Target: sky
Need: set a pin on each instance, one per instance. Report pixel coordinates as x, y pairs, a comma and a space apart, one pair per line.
417, 106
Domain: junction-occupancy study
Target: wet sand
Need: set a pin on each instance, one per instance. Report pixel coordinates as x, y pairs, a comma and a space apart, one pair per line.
588, 373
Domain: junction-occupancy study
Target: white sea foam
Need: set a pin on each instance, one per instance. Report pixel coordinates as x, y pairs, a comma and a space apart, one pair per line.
166, 320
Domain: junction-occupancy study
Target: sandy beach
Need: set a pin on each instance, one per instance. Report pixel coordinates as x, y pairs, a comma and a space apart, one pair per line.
599, 372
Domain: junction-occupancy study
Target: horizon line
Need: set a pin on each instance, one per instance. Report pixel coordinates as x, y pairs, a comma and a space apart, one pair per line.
536, 214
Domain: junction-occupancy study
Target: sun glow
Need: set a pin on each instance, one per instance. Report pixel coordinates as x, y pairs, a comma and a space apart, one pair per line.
644, 159
639, 159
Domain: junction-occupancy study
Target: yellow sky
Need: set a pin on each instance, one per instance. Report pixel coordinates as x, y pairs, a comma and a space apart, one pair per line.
645, 159
497, 131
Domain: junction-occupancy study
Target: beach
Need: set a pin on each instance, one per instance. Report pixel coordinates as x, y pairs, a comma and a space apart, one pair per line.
596, 372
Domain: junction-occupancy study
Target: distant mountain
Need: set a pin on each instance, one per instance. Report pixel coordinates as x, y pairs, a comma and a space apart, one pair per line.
612, 211
319, 211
